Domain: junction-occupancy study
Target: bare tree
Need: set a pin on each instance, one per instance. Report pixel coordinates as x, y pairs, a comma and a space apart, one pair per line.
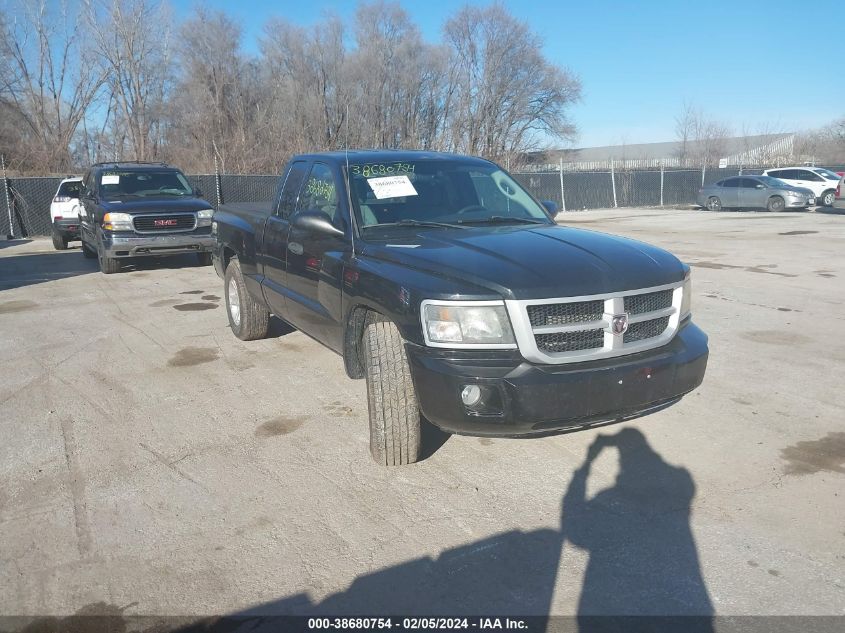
132, 42
506, 97
210, 113
307, 71
685, 126
702, 141
47, 81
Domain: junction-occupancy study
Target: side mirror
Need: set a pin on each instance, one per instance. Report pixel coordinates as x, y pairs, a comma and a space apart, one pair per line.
551, 206
316, 222
760, 186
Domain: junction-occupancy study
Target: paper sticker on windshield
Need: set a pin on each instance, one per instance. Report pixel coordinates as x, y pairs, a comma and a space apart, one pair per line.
391, 187
110, 179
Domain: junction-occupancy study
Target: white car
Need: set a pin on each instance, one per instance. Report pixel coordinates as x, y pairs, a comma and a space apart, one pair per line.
822, 182
64, 212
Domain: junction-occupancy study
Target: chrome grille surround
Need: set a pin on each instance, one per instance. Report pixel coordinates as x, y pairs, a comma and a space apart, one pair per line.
646, 329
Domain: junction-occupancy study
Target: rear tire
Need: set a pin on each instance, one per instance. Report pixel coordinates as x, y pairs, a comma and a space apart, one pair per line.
204, 259
59, 242
248, 319
775, 204
828, 198
714, 204
395, 419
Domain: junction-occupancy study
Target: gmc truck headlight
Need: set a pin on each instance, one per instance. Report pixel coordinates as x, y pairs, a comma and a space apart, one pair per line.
476, 324
204, 217
686, 296
117, 222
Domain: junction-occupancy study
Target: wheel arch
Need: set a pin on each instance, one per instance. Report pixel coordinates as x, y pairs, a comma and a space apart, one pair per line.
359, 317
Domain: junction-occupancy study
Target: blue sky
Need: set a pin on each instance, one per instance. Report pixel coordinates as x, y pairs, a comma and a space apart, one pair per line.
776, 64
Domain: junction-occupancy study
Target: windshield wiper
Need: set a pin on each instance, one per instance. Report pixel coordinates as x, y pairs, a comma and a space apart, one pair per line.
499, 219
417, 223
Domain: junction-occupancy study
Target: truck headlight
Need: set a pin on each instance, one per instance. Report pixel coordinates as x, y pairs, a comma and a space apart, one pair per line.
686, 296
467, 324
204, 217
117, 222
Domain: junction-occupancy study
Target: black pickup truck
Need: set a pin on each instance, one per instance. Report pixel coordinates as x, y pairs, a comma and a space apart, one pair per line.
440, 280
136, 209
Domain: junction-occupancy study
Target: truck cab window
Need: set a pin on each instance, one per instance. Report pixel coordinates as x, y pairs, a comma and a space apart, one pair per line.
319, 192
290, 191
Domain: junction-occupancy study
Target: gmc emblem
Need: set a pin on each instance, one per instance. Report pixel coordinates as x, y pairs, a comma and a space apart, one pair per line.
164, 222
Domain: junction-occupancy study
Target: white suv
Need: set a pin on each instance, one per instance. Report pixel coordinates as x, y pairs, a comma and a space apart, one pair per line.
64, 212
822, 182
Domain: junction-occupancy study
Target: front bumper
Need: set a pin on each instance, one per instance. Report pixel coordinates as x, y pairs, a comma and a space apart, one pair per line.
799, 203
128, 245
542, 399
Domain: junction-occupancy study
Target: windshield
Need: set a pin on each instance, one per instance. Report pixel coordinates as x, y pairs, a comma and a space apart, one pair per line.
442, 191
142, 184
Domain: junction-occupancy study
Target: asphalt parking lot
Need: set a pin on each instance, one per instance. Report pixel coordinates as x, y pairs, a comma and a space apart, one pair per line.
151, 463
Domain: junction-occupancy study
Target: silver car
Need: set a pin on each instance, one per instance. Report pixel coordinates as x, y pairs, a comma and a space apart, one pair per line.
754, 192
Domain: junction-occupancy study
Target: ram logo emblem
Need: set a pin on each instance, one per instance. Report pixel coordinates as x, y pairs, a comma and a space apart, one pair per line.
619, 324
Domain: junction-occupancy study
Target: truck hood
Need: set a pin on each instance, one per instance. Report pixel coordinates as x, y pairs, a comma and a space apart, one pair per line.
531, 262
164, 204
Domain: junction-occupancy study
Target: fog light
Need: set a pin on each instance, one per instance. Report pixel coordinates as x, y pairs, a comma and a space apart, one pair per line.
471, 395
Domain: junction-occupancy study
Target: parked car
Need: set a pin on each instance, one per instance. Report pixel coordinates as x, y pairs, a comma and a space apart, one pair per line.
822, 182
135, 209
754, 192
64, 213
452, 291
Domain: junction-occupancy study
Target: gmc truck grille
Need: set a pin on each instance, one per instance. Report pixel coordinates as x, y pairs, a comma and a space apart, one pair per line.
164, 223
577, 329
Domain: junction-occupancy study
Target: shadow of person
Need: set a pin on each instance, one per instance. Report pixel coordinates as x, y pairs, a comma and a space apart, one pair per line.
642, 562
642, 555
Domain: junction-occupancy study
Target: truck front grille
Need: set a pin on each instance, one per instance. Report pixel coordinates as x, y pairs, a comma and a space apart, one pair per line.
648, 302
565, 313
570, 341
164, 223
646, 330
576, 329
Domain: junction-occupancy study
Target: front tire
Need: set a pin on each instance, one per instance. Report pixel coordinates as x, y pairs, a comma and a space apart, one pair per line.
828, 198
395, 419
59, 242
108, 265
248, 319
714, 204
776, 204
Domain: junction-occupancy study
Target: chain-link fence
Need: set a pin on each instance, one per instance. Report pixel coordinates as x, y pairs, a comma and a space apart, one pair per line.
29, 198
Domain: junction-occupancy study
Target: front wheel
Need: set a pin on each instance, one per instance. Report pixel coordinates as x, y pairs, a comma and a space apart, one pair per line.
108, 265
714, 204
775, 204
395, 419
248, 319
828, 198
